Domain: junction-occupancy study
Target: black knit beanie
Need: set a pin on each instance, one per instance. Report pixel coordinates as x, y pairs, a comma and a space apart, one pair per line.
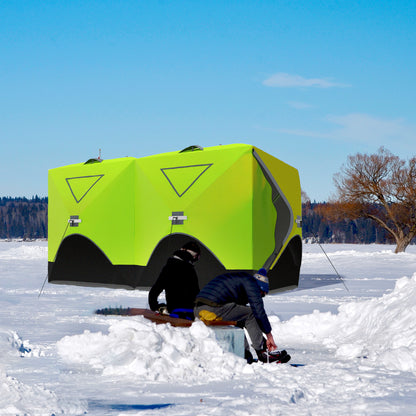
191, 245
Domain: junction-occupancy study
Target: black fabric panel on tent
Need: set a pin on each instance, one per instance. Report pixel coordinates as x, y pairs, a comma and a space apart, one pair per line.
285, 273
80, 262
207, 267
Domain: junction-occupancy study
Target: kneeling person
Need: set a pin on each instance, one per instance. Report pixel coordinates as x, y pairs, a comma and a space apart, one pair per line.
227, 297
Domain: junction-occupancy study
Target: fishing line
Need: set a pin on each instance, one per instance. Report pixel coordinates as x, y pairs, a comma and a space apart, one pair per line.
170, 240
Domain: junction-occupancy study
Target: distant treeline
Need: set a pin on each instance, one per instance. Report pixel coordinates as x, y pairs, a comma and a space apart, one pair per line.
23, 217
360, 231
28, 219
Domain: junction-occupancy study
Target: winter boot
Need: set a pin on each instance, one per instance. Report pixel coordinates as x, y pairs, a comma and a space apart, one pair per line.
249, 357
273, 356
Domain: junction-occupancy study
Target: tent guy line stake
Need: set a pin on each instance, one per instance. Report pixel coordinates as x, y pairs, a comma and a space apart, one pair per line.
336, 271
41, 290
47, 274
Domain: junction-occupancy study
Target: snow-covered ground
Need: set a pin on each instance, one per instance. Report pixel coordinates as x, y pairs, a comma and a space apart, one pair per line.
359, 345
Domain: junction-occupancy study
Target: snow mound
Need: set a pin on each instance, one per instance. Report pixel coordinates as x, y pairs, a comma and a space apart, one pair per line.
24, 348
17, 398
137, 348
25, 252
383, 330
11, 344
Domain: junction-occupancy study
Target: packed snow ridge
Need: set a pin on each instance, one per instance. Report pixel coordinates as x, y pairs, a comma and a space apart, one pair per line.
17, 398
24, 252
359, 346
383, 330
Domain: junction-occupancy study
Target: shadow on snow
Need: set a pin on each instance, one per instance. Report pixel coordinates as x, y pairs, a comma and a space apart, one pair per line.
313, 281
98, 405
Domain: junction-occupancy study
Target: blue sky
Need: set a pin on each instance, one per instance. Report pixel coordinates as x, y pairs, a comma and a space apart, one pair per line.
309, 82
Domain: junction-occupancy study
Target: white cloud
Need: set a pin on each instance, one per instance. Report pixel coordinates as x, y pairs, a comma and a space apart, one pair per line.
363, 128
284, 80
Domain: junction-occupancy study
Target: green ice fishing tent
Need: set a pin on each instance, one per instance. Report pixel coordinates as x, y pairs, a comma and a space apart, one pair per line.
115, 222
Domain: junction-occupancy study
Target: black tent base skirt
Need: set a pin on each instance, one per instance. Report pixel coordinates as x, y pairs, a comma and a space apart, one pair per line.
79, 261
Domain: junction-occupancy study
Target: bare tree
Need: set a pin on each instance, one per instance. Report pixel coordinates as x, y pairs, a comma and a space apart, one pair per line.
381, 187
304, 197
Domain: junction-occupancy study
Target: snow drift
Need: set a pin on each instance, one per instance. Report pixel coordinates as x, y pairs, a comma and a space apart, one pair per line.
138, 348
17, 398
60, 358
383, 330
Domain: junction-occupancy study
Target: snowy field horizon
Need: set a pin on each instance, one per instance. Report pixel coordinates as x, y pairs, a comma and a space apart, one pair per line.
358, 345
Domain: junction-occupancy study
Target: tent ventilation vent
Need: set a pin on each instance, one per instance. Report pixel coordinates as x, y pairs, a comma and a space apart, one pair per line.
191, 148
93, 160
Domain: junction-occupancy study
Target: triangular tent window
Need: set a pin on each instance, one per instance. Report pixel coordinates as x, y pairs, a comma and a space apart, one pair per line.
181, 178
81, 185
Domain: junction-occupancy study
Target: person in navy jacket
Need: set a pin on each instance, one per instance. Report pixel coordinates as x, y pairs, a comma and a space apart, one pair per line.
227, 297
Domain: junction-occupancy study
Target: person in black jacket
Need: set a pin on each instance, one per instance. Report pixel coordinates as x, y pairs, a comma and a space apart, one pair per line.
227, 297
179, 280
